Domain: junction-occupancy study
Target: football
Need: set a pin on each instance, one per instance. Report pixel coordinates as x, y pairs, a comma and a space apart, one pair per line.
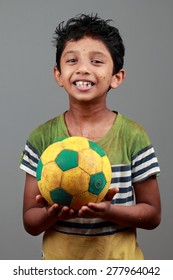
73, 171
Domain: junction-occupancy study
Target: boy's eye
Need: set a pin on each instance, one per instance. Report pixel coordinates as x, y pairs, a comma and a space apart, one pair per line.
96, 61
71, 60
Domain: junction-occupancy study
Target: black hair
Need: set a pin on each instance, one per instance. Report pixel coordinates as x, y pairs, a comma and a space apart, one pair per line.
92, 26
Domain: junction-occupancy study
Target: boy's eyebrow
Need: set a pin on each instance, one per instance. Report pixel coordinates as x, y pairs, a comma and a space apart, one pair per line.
98, 53
69, 52
91, 53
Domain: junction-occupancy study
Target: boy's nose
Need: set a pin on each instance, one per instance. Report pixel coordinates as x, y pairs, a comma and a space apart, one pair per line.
83, 69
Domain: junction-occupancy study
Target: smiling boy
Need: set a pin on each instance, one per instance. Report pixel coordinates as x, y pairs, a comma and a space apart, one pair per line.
86, 75
89, 63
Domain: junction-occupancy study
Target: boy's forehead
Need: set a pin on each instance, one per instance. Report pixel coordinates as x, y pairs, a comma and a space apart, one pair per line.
85, 44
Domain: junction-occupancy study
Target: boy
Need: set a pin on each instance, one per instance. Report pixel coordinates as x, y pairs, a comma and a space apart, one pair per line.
89, 62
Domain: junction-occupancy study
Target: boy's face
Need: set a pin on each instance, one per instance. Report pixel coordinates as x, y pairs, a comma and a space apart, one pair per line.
86, 70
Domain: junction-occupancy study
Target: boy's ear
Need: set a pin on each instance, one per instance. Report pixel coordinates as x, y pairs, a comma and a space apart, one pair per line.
57, 76
118, 78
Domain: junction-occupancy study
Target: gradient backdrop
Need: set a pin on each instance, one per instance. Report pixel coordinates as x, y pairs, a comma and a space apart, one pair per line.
29, 96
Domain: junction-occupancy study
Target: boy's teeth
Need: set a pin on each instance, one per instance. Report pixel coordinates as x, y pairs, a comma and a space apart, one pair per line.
83, 84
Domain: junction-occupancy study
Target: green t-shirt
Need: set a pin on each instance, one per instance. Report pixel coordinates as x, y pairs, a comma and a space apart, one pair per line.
132, 159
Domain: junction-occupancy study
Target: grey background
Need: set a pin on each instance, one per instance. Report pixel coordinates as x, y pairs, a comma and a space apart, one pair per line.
29, 96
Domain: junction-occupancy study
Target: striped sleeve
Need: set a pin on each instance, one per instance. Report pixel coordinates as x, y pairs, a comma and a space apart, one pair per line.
121, 178
29, 159
144, 164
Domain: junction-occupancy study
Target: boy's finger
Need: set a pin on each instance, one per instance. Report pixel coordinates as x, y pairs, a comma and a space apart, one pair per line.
110, 194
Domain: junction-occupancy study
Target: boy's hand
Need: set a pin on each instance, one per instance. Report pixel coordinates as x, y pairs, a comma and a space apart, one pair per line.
98, 210
92, 210
55, 210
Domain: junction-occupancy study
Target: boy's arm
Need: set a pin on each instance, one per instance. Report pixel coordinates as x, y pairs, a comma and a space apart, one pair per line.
145, 214
37, 215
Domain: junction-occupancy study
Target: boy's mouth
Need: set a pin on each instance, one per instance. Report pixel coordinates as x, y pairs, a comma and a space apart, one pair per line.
83, 83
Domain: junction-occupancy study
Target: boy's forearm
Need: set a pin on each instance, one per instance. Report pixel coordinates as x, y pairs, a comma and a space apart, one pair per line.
37, 220
141, 215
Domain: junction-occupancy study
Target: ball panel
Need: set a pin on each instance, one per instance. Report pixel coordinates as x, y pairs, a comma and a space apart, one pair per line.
97, 183
51, 152
101, 195
48, 180
82, 199
39, 170
75, 143
75, 181
67, 159
51, 175
96, 148
107, 169
61, 197
89, 161
45, 192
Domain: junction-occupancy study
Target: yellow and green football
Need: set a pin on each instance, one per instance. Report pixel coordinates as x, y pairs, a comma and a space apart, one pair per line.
73, 171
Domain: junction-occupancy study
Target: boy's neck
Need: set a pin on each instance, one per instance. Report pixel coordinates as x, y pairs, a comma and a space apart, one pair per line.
87, 114
89, 122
